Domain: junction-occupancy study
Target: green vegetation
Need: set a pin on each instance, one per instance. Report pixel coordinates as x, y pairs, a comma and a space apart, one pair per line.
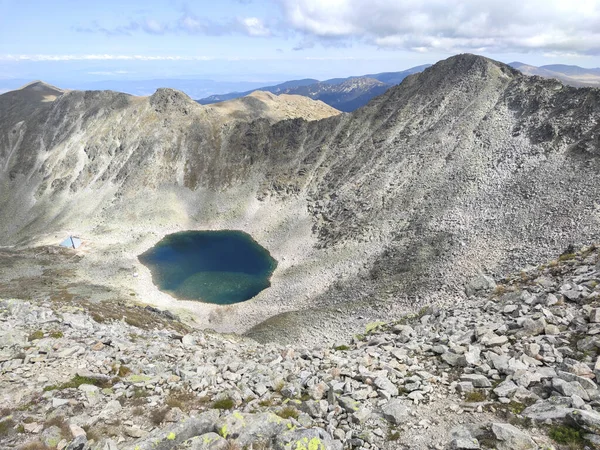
271, 401
5, 426
60, 422
567, 256
475, 397
157, 416
78, 380
393, 435
566, 435
35, 335
341, 348
516, 407
288, 412
370, 327
224, 403
57, 334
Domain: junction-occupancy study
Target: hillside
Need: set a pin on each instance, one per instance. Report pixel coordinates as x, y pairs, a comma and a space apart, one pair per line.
466, 167
345, 94
273, 107
570, 75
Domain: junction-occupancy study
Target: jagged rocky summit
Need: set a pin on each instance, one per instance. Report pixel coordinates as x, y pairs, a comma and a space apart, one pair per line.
516, 366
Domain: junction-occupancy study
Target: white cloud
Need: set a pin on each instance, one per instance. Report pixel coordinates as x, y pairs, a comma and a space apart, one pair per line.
102, 57
550, 26
253, 26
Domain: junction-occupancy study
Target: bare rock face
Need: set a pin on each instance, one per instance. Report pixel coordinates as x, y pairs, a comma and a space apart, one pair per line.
466, 167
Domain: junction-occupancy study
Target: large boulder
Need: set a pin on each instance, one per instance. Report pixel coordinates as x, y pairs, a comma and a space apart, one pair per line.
176, 434
509, 437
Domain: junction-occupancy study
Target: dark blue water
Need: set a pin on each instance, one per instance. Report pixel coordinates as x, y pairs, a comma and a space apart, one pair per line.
220, 267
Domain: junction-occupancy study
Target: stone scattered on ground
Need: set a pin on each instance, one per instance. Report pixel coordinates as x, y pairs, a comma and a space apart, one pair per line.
515, 366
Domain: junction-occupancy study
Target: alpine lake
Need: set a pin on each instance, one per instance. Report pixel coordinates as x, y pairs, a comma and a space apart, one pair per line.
221, 267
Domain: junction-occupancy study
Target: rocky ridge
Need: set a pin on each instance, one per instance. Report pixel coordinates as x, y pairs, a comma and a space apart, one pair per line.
514, 367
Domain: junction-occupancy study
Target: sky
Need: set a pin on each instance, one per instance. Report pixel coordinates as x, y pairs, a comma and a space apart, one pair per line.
276, 40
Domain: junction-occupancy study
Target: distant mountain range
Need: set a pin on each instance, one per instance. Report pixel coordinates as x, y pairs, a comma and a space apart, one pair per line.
194, 87
570, 75
344, 94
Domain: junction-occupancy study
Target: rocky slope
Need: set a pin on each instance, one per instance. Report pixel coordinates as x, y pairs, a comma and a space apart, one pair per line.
516, 366
466, 167
273, 108
570, 75
345, 94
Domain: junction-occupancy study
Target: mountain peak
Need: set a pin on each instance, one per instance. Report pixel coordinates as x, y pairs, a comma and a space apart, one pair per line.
40, 86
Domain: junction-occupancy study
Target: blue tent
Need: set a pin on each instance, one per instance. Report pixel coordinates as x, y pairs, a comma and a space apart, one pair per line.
71, 242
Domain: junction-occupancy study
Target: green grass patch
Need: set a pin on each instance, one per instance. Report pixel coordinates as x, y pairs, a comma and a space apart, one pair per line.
566, 435
35, 335
567, 256
370, 327
341, 348
288, 412
476, 397
224, 403
393, 435
6, 426
56, 334
78, 380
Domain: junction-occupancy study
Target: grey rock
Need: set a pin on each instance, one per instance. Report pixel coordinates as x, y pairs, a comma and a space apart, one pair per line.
454, 360
313, 438
462, 439
480, 283
386, 385
395, 411
206, 441
176, 434
511, 438
505, 389
81, 443
588, 420
554, 408
479, 381
51, 436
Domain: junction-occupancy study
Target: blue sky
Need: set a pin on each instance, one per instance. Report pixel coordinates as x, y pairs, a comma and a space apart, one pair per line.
276, 40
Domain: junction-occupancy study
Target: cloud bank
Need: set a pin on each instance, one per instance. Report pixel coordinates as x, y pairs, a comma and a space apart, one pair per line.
497, 26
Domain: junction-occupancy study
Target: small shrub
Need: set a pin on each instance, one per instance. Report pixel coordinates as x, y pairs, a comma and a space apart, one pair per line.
56, 334
475, 397
123, 371
98, 318
516, 407
393, 435
266, 402
186, 401
288, 412
566, 435
35, 335
60, 422
5, 426
341, 348
499, 290
157, 416
224, 403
